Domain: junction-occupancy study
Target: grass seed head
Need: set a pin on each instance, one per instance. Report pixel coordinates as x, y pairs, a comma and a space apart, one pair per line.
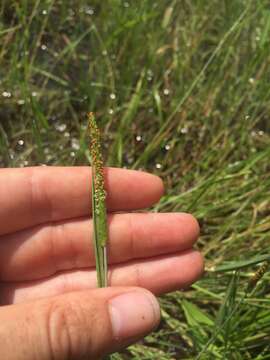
97, 161
258, 275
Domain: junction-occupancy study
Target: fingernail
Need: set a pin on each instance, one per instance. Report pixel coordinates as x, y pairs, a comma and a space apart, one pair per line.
133, 314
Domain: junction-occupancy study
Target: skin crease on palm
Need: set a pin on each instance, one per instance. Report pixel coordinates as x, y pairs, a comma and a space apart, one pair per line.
50, 305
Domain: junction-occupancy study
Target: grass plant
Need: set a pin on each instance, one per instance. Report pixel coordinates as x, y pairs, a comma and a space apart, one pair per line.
182, 88
99, 212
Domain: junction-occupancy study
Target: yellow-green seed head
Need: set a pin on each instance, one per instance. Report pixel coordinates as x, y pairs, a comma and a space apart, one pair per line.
97, 161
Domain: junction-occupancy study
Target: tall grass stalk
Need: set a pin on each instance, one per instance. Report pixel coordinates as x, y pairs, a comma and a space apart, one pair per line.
99, 213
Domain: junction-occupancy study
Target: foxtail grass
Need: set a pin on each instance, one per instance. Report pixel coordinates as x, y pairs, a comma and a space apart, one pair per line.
99, 212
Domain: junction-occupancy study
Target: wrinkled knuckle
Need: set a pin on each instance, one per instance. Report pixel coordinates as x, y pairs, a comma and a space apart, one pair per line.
138, 276
131, 237
66, 333
39, 196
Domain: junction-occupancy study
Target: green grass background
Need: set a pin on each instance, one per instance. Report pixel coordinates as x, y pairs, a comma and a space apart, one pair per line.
181, 89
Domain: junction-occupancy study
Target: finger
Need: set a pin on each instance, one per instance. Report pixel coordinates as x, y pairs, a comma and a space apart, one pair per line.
33, 196
160, 275
64, 246
79, 325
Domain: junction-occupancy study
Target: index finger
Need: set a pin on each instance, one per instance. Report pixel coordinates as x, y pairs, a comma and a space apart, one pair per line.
37, 195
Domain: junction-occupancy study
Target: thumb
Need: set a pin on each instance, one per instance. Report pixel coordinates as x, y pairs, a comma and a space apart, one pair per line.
78, 325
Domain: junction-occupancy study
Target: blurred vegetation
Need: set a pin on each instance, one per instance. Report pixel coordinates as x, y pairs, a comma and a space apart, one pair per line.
181, 89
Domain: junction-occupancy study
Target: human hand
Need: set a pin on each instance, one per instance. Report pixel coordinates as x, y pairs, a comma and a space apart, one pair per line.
50, 306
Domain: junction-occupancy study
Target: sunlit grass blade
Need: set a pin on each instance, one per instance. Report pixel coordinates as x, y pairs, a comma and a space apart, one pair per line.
239, 264
99, 212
